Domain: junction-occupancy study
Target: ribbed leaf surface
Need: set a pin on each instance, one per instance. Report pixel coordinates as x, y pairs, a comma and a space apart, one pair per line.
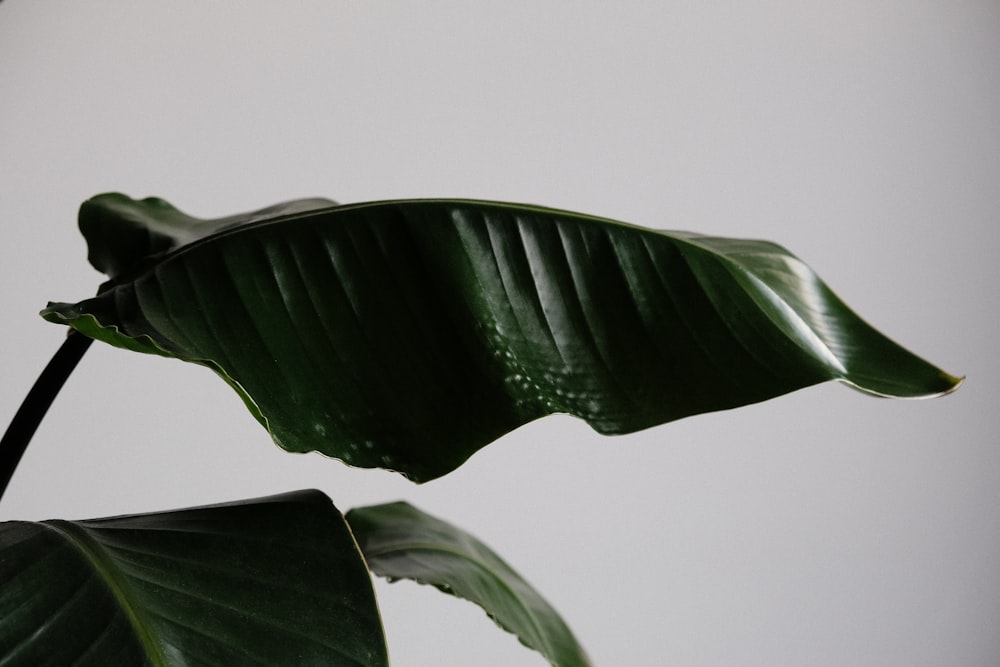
401, 542
122, 233
276, 581
407, 335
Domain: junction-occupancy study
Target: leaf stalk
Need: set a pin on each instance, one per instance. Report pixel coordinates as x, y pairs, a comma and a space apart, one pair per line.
25, 422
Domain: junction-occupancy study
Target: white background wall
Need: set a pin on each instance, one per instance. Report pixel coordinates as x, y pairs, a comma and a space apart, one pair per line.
823, 528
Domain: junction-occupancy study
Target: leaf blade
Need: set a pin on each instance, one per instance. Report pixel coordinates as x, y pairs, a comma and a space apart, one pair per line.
407, 335
402, 542
122, 232
209, 585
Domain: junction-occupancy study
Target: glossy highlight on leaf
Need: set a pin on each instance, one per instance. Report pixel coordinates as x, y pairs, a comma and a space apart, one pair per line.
409, 334
276, 581
402, 542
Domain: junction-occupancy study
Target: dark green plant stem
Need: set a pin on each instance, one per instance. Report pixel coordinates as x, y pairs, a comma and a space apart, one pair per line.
37, 403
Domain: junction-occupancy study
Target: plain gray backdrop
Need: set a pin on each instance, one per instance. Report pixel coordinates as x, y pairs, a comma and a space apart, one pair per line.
821, 528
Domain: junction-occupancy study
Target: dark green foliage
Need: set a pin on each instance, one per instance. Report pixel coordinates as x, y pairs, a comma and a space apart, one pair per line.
407, 335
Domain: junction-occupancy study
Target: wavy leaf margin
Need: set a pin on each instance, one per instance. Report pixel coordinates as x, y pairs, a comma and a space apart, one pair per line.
408, 334
401, 542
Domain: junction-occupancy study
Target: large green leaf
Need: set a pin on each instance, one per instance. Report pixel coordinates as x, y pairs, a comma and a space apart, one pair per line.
401, 542
407, 335
276, 581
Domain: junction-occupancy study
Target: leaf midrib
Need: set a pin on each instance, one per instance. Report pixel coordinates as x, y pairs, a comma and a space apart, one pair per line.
105, 568
554, 213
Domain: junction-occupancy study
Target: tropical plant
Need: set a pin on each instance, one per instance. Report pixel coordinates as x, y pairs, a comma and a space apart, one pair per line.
403, 335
